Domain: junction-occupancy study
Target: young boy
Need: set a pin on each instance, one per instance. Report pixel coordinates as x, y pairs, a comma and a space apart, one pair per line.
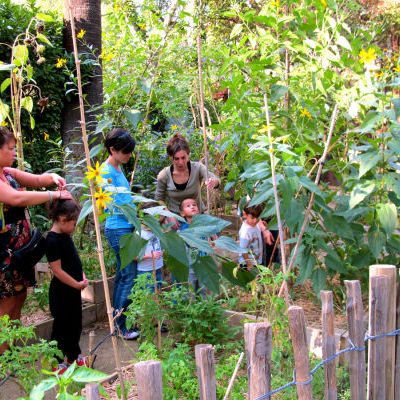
188, 210
250, 237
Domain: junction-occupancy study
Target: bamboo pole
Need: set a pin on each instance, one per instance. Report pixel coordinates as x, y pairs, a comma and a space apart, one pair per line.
312, 196
203, 120
232, 380
92, 335
157, 300
277, 209
95, 211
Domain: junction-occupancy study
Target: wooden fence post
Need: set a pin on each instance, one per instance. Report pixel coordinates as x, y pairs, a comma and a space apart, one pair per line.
300, 348
92, 391
328, 344
149, 380
355, 320
390, 272
205, 364
258, 340
378, 303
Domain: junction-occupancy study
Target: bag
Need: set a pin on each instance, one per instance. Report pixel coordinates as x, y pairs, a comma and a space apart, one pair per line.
26, 257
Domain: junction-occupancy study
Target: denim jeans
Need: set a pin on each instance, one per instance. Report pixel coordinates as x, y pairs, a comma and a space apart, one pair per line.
124, 278
158, 279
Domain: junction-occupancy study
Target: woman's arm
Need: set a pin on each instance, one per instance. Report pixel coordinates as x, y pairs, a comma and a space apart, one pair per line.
65, 278
22, 198
213, 181
31, 180
161, 190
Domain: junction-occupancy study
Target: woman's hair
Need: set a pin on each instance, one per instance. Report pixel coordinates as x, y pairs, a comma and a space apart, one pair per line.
5, 136
177, 143
63, 208
121, 140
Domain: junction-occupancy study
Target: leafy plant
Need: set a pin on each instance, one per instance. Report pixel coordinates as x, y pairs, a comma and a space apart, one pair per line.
37, 298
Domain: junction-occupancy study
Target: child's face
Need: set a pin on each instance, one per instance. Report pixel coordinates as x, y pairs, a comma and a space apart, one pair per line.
189, 208
67, 226
250, 220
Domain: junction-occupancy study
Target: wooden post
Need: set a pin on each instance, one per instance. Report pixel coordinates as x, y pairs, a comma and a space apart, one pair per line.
149, 380
301, 359
328, 344
92, 391
258, 341
206, 371
397, 367
92, 335
390, 272
355, 320
378, 303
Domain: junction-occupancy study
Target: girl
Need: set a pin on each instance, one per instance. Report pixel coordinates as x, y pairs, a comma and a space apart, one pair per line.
67, 283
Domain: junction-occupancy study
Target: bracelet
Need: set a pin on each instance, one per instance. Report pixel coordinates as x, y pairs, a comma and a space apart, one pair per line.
50, 195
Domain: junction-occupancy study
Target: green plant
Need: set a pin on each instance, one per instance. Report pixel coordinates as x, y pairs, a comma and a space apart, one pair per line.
21, 357
37, 298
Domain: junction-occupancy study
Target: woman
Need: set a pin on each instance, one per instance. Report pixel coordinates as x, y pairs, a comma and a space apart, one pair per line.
184, 178
15, 231
120, 145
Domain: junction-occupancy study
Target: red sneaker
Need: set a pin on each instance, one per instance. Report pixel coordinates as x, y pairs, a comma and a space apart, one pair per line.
81, 362
61, 368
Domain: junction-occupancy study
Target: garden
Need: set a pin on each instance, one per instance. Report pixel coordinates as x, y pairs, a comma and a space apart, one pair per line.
294, 105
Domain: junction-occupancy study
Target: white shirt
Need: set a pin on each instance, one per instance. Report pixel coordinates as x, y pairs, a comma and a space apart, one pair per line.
251, 238
154, 245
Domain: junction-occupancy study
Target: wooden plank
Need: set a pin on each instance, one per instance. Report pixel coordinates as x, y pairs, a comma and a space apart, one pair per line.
328, 344
258, 341
205, 365
301, 359
390, 272
378, 303
355, 320
92, 391
149, 380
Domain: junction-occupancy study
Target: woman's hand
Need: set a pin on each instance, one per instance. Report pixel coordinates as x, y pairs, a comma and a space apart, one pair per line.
62, 195
58, 180
212, 183
82, 284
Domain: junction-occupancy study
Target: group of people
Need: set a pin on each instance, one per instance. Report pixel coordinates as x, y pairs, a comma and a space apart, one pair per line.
178, 188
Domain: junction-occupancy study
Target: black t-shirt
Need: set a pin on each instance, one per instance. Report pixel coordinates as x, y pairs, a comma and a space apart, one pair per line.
59, 246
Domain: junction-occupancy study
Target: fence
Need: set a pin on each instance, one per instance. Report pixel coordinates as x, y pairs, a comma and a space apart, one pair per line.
378, 379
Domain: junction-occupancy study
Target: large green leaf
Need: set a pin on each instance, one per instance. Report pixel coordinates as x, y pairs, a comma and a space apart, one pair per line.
227, 243
277, 92
335, 264
43, 38
205, 225
161, 210
88, 375
4, 108
5, 84
261, 196
360, 192
152, 222
27, 103
369, 160
307, 264
257, 171
370, 121
86, 210
387, 214
339, 226
179, 270
38, 391
7, 67
130, 213
134, 117
363, 258
20, 53
306, 182
176, 247
236, 275
206, 271
196, 241
131, 245
376, 241
318, 280
44, 17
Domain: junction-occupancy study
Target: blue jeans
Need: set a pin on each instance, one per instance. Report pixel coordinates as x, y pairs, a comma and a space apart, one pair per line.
124, 278
158, 279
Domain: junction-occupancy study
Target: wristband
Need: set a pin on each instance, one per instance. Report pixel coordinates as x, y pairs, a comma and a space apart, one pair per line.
50, 195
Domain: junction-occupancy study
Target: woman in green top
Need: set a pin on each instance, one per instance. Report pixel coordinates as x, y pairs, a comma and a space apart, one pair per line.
184, 178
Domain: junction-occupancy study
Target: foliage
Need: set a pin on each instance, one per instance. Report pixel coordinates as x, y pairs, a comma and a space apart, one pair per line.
38, 298
21, 357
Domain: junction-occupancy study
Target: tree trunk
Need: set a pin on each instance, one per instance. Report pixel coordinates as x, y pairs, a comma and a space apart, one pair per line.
87, 15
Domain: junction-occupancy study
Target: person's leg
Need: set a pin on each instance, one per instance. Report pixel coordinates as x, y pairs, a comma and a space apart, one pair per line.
73, 350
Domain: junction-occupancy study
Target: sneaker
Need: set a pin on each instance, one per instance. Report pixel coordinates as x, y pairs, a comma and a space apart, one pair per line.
129, 335
61, 368
81, 362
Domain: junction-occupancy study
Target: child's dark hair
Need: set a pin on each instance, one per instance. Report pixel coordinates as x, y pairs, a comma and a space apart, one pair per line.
63, 208
187, 198
5, 136
177, 143
255, 211
121, 140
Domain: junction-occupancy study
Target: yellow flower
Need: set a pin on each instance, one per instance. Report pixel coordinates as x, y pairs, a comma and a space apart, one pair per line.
102, 198
108, 57
3, 123
271, 150
379, 74
81, 34
46, 135
324, 3
367, 56
275, 3
174, 127
285, 139
397, 69
266, 128
254, 136
95, 173
305, 113
61, 62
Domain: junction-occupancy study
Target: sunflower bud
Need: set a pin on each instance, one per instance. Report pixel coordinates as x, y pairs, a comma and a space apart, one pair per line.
40, 48
39, 26
41, 60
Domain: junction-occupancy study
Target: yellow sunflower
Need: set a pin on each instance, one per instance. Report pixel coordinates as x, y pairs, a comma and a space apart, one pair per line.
95, 173
102, 198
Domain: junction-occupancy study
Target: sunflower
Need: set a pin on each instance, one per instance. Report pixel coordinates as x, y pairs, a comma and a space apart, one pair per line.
81, 34
102, 198
95, 173
367, 56
305, 113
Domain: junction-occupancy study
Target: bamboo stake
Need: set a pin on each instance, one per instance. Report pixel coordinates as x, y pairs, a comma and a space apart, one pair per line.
92, 335
95, 211
277, 209
228, 391
157, 300
311, 201
203, 121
